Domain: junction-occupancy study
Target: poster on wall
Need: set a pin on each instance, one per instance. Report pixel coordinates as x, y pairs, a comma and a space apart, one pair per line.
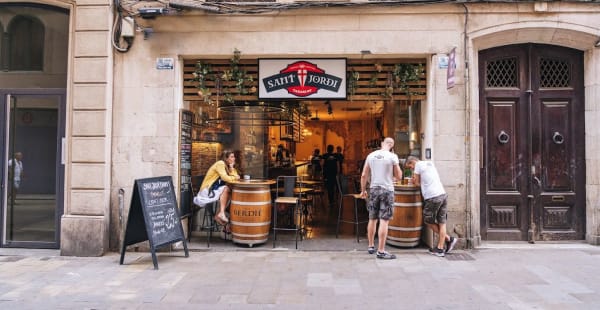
302, 78
451, 69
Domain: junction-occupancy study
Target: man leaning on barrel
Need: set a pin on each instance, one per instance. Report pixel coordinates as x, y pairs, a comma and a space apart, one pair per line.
435, 210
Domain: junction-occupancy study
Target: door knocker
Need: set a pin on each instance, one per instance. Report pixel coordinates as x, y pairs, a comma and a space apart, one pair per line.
558, 138
503, 137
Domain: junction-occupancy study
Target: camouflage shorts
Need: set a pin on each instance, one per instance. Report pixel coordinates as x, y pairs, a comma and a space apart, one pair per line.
380, 203
435, 210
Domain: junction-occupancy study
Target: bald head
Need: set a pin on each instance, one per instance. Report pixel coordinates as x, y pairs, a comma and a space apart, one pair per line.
387, 144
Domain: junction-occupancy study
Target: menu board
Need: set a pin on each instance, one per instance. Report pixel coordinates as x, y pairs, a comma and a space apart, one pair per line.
153, 216
185, 162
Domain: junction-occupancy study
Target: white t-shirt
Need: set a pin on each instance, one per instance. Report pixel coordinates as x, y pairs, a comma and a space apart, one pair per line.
382, 168
431, 186
18, 168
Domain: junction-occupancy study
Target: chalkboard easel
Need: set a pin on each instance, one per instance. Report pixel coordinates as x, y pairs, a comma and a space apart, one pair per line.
153, 216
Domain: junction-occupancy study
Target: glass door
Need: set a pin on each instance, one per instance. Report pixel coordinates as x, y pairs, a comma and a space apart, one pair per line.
33, 168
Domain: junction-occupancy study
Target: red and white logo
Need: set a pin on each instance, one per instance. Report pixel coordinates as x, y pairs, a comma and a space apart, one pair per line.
302, 79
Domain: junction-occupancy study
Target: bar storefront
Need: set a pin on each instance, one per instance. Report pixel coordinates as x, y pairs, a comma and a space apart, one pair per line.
260, 107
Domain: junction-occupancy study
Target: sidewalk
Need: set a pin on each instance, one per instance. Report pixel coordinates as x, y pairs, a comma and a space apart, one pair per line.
494, 276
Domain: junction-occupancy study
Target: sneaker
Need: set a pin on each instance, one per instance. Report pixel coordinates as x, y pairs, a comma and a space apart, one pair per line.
437, 252
385, 255
450, 244
371, 250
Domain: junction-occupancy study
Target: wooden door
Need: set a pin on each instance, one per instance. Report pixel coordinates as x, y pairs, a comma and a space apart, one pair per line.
532, 173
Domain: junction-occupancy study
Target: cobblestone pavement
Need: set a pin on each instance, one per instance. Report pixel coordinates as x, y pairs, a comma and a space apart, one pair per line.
494, 276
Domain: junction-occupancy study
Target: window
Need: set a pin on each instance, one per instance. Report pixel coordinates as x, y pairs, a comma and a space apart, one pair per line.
25, 44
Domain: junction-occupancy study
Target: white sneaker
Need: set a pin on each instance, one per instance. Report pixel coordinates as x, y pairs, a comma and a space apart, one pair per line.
450, 244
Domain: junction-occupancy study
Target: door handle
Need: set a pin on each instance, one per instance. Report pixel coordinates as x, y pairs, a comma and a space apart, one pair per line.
537, 181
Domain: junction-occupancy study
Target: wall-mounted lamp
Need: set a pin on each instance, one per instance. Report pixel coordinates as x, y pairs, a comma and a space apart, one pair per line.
151, 12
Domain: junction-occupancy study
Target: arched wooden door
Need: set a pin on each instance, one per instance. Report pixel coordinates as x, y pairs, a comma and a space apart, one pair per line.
532, 134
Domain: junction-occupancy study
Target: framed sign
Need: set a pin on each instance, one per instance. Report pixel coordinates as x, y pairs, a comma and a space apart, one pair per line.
311, 78
153, 216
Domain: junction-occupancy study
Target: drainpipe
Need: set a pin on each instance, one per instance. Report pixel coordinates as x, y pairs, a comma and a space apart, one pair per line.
468, 203
121, 208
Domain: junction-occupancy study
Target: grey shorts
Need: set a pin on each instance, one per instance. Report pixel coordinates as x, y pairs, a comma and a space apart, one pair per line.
435, 210
380, 203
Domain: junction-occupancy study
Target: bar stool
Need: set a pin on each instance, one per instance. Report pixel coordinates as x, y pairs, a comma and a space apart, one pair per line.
345, 194
313, 193
208, 217
289, 199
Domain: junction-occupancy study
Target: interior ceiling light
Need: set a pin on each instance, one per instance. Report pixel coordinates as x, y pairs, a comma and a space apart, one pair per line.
316, 117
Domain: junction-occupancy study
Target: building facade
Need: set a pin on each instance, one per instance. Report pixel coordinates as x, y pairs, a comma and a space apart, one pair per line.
511, 130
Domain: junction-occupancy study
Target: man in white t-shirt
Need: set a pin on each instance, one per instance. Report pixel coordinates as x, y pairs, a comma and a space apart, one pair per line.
435, 209
15, 172
381, 167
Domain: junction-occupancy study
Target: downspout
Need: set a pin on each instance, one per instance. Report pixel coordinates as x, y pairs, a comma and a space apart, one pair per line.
468, 189
121, 196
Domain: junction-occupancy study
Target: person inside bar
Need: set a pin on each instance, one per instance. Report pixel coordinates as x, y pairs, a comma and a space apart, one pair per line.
281, 156
316, 169
214, 186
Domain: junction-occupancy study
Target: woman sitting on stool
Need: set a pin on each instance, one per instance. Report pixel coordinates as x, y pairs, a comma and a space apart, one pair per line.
214, 186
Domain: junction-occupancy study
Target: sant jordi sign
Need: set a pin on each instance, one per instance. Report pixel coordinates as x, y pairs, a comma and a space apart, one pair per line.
302, 78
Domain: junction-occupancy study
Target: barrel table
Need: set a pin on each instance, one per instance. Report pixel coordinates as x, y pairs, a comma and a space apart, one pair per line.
405, 227
250, 211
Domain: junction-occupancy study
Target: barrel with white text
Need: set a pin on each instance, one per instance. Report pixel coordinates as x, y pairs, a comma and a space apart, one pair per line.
250, 214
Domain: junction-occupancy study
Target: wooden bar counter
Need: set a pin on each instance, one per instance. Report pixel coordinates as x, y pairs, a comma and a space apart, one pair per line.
405, 227
250, 211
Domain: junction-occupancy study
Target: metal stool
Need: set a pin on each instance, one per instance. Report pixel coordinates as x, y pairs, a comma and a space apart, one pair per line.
208, 218
288, 198
342, 183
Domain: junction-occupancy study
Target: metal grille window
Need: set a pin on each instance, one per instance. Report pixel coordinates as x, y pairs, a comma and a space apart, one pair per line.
554, 73
501, 73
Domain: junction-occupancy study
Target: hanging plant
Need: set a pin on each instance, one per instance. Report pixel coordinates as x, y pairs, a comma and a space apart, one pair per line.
389, 86
201, 75
353, 77
372, 82
236, 74
406, 73
228, 97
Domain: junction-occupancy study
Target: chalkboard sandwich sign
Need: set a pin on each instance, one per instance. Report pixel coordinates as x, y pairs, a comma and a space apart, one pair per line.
153, 216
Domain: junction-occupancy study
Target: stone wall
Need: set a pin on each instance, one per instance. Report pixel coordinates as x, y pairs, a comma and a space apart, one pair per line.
85, 223
146, 100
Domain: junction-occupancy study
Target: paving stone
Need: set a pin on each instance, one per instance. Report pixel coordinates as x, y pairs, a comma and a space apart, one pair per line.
496, 278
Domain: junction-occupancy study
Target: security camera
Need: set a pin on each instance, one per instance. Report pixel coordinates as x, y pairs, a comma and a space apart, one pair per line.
151, 12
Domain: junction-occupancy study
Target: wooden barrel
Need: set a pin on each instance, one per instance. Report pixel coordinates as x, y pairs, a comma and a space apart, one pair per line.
405, 227
250, 214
